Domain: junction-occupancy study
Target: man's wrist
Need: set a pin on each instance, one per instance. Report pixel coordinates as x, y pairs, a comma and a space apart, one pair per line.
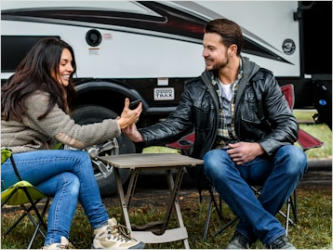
140, 137
260, 150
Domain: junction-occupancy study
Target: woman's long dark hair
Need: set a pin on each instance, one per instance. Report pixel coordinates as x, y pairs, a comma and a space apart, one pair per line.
34, 73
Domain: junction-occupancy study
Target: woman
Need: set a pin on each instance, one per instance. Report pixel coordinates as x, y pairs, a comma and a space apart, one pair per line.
35, 109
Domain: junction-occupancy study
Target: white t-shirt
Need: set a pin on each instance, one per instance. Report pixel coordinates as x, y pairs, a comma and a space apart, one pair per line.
227, 90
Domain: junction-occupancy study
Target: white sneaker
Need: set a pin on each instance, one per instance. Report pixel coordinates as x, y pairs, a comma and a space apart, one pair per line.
64, 244
114, 235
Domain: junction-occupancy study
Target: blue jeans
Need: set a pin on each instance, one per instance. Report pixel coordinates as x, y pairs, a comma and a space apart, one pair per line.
68, 176
279, 177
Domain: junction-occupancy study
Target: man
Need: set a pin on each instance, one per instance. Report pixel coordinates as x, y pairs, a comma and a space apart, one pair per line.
244, 131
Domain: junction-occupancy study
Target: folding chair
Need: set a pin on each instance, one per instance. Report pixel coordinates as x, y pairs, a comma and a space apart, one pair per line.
22, 193
305, 140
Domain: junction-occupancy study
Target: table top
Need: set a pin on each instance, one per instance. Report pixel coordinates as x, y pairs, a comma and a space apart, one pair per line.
159, 160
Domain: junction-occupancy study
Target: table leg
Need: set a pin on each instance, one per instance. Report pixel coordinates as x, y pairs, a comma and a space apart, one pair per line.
172, 187
173, 195
122, 199
162, 235
131, 186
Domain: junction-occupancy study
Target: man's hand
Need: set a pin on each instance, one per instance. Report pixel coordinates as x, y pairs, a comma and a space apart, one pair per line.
243, 152
132, 133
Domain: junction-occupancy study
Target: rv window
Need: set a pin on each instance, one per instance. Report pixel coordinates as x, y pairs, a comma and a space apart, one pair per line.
14, 49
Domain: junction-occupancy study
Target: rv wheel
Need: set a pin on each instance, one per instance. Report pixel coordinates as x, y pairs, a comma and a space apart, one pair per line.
104, 174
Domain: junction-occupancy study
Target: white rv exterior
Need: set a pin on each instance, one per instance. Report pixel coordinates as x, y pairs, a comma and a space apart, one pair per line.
126, 52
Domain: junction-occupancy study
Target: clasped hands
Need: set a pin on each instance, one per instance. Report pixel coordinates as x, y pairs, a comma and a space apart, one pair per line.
129, 116
127, 121
244, 152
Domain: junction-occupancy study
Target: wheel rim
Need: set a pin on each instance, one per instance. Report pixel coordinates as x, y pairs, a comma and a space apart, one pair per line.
110, 147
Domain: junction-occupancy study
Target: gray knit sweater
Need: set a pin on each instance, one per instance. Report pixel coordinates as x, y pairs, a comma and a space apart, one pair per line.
34, 134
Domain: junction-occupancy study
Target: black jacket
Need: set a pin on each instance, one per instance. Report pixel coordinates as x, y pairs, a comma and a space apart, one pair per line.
261, 113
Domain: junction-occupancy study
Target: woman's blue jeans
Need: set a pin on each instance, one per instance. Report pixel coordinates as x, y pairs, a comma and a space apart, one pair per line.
279, 177
68, 176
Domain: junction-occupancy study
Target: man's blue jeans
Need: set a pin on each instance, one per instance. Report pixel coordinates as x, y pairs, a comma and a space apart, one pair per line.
67, 175
279, 177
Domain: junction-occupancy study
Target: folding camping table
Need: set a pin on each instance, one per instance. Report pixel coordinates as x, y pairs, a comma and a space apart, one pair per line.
153, 232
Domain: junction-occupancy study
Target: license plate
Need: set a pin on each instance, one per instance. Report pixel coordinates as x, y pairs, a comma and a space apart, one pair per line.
162, 94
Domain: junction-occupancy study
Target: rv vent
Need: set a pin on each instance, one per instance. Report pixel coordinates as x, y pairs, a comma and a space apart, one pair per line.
93, 38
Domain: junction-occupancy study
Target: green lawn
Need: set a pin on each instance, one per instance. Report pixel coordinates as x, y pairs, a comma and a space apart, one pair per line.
313, 231
304, 115
320, 131
323, 133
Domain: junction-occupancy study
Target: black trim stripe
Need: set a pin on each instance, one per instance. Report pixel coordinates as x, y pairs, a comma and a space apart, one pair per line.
172, 23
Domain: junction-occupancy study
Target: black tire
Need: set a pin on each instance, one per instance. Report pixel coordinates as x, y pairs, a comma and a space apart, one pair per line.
92, 114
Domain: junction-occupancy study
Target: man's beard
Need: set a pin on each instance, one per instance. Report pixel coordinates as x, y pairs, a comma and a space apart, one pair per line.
218, 66
221, 65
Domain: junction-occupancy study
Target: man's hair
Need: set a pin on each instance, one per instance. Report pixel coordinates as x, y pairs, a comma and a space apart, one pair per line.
229, 31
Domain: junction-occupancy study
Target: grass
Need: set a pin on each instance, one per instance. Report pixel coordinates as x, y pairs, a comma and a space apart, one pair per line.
320, 131
323, 133
304, 115
159, 149
313, 231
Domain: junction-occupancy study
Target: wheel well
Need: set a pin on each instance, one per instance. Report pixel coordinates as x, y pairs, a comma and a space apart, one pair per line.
108, 98
112, 96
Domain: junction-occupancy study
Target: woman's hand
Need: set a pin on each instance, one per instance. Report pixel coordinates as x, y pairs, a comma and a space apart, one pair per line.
128, 116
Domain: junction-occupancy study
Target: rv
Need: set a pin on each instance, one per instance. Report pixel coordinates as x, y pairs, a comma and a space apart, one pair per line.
147, 50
